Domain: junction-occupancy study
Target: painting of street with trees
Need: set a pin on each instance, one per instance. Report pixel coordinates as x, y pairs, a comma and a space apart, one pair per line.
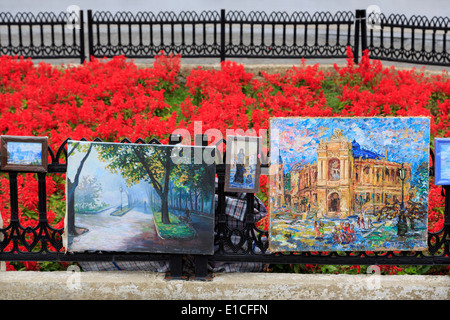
139, 198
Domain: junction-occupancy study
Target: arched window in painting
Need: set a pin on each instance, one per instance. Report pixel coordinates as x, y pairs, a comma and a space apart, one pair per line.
366, 174
334, 169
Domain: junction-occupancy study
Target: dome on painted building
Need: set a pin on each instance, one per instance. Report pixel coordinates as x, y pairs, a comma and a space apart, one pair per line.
359, 152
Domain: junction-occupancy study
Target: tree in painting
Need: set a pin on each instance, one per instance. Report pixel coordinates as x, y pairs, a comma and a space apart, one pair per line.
137, 164
88, 195
156, 165
72, 184
192, 184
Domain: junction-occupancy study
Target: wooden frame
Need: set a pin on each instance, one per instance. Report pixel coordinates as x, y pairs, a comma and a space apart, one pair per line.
442, 145
230, 185
24, 162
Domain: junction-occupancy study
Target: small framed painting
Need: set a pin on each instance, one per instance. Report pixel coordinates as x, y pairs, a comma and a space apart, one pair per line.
242, 167
26, 154
442, 161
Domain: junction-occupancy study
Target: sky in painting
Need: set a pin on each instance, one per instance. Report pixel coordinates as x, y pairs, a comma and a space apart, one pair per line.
404, 139
109, 181
93, 167
250, 148
24, 146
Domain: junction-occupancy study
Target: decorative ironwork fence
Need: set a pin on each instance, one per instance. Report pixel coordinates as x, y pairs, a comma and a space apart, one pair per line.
415, 40
282, 35
211, 34
226, 34
145, 34
42, 36
248, 244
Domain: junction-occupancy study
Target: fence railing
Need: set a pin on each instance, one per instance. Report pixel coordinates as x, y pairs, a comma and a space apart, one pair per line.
248, 244
415, 40
145, 34
226, 34
43, 36
211, 34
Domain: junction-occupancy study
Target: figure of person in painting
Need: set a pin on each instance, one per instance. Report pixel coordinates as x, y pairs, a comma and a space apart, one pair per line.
336, 235
240, 170
369, 223
187, 215
346, 233
361, 221
316, 229
145, 206
321, 230
341, 232
352, 236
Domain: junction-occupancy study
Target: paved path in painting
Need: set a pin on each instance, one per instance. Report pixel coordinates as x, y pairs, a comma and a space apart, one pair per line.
108, 232
134, 232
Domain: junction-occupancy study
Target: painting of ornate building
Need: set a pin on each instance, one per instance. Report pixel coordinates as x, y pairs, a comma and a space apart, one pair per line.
348, 183
346, 179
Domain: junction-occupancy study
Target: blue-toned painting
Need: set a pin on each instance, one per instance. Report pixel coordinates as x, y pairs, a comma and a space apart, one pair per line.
442, 160
349, 184
24, 153
139, 198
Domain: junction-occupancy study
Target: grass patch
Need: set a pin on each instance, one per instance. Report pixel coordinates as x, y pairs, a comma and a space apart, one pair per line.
175, 230
121, 212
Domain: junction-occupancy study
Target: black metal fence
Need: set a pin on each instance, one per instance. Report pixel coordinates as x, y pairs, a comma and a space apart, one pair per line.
226, 34
211, 34
416, 39
43, 36
248, 244
144, 35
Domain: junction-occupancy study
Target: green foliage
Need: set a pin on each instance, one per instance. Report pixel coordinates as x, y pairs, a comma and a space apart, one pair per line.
88, 194
174, 99
119, 212
174, 230
332, 92
359, 269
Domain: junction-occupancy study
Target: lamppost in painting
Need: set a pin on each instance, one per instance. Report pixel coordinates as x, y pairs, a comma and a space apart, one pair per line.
402, 226
121, 190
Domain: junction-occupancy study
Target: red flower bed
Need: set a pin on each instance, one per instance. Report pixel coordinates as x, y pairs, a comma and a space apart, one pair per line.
113, 99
